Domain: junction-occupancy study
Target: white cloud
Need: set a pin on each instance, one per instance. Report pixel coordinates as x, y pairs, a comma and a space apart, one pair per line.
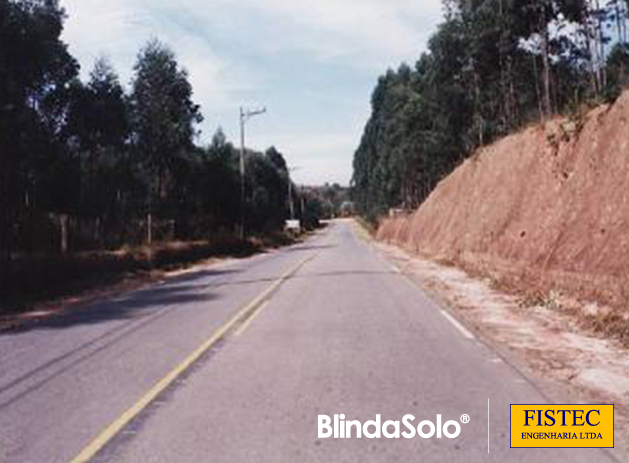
317, 156
240, 51
119, 28
365, 30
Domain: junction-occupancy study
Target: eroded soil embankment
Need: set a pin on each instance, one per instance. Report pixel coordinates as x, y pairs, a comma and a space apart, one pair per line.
546, 208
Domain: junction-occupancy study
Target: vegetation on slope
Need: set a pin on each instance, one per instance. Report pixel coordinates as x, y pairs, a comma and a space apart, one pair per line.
491, 67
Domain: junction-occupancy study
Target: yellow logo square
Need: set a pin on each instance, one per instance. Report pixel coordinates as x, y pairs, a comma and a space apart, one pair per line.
562, 426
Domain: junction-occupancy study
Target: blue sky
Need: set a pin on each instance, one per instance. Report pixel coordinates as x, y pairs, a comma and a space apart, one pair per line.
313, 64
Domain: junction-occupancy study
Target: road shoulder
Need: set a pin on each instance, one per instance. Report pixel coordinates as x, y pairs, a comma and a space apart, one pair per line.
546, 344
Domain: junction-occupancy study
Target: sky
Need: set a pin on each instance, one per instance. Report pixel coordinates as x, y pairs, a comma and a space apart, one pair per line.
312, 63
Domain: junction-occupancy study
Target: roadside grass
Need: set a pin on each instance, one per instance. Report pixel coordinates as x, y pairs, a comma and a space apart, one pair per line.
48, 279
548, 299
610, 321
612, 325
366, 226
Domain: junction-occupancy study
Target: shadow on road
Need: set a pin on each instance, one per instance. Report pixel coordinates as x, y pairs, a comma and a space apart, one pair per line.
140, 308
179, 290
310, 247
309, 275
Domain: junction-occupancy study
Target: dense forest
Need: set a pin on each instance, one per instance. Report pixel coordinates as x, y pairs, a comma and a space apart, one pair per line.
90, 165
491, 67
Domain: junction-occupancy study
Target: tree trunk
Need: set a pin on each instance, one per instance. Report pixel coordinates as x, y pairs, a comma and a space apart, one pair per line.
619, 20
601, 46
624, 22
593, 72
537, 90
546, 72
478, 115
503, 77
98, 237
593, 45
63, 221
149, 228
515, 113
5, 250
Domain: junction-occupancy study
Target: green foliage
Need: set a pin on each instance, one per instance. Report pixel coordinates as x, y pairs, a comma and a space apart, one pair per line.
97, 131
35, 72
617, 71
91, 159
323, 202
491, 67
164, 117
267, 193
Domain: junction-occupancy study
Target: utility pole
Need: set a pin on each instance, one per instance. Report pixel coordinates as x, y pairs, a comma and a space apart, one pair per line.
245, 115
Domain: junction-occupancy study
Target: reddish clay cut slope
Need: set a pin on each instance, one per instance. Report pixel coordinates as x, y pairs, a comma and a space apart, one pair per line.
549, 206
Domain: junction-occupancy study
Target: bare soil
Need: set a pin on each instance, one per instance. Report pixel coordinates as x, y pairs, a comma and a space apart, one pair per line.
528, 241
542, 338
548, 206
543, 210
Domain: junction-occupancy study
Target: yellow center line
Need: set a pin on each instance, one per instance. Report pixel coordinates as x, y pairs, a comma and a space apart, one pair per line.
119, 423
243, 327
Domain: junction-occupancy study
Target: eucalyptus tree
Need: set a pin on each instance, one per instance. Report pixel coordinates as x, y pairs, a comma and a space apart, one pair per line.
98, 130
163, 120
35, 71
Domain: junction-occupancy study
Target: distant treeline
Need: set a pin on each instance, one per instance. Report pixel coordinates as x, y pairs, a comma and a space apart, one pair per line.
85, 165
491, 67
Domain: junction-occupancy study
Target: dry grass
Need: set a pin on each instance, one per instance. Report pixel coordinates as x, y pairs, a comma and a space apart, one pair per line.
611, 321
41, 279
612, 325
367, 226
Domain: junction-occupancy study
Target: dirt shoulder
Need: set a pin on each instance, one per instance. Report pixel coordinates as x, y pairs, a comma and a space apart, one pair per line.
542, 340
545, 338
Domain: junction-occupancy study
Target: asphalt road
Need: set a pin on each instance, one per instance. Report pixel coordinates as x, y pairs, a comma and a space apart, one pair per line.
344, 333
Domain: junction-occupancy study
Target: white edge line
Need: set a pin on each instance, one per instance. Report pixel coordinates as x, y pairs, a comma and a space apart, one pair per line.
464, 331
387, 262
